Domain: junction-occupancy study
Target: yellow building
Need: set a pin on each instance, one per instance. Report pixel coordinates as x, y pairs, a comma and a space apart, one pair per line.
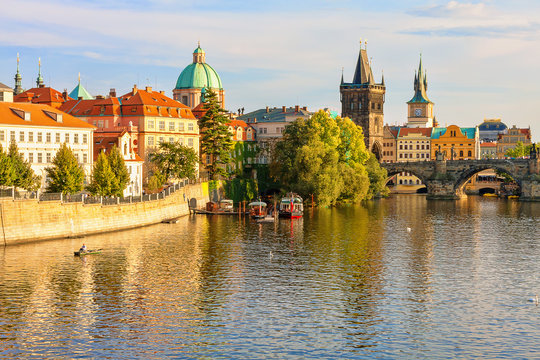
456, 143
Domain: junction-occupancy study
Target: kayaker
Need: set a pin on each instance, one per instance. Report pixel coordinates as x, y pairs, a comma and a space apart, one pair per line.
83, 248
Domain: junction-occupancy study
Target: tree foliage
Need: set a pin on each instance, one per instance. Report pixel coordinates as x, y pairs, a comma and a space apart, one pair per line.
15, 171
175, 160
119, 170
327, 157
66, 175
103, 179
520, 150
216, 139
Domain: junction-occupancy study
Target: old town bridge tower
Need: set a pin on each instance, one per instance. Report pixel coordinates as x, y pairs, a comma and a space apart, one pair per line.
362, 101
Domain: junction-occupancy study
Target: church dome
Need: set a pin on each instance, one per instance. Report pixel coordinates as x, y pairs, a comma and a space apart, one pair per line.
198, 74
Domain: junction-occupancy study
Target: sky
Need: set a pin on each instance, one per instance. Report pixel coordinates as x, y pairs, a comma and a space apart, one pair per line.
481, 57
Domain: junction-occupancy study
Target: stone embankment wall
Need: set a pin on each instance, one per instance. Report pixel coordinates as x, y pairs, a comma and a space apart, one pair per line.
23, 221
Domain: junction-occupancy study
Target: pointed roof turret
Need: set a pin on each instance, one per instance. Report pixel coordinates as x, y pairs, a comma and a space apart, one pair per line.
342, 76
363, 68
39, 80
420, 85
18, 80
79, 92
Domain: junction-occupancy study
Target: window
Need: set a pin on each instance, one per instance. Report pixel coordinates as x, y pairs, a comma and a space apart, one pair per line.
406, 146
352, 106
181, 141
85, 138
85, 158
171, 126
162, 125
30, 157
151, 140
48, 157
400, 147
39, 158
190, 142
30, 136
418, 147
161, 139
184, 100
100, 123
190, 126
150, 124
469, 153
39, 137
171, 139
57, 137
2, 135
75, 138
48, 138
66, 138
12, 136
372, 106
417, 155
401, 156
77, 157
181, 126
21, 136
461, 153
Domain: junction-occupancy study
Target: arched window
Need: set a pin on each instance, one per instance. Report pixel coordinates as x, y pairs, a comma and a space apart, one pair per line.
461, 153
470, 153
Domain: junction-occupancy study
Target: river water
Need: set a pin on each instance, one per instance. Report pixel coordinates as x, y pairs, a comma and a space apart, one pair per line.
345, 283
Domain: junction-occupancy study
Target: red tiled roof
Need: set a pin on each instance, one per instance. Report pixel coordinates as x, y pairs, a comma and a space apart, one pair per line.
93, 107
41, 95
153, 103
422, 131
40, 115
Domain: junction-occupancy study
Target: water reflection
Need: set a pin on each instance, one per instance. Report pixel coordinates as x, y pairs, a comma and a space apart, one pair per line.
349, 282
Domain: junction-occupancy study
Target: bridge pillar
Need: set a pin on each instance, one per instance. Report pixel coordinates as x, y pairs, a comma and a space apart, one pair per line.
530, 190
443, 190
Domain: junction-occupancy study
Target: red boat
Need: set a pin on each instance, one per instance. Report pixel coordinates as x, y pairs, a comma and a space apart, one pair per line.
291, 207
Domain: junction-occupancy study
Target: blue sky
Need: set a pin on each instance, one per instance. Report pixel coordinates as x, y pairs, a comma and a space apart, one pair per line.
481, 57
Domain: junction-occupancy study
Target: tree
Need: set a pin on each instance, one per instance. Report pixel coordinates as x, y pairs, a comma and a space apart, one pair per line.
24, 176
104, 182
175, 160
7, 173
326, 157
66, 175
216, 139
520, 150
119, 170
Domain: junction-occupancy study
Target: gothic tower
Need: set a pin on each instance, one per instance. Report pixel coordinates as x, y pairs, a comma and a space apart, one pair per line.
18, 80
420, 108
362, 101
39, 80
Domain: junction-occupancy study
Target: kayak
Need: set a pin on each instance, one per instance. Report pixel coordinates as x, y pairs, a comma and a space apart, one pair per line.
87, 252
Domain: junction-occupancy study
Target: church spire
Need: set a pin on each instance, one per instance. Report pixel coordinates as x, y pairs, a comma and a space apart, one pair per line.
420, 84
18, 80
382, 78
39, 80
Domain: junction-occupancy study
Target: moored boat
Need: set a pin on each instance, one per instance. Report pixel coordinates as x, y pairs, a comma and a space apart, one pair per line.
226, 205
291, 206
257, 209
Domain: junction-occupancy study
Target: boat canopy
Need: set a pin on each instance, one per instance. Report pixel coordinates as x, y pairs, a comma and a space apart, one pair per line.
257, 203
226, 201
296, 200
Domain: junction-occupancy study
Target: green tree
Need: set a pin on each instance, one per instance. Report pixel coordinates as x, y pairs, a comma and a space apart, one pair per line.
216, 139
104, 182
24, 176
327, 157
66, 175
119, 170
175, 160
519, 150
7, 173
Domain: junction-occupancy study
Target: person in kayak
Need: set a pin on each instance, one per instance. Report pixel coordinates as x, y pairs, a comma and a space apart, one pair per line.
83, 248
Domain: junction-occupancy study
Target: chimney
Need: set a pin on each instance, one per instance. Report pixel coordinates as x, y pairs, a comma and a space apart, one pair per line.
304, 108
284, 109
65, 94
148, 89
267, 110
134, 89
296, 108
112, 93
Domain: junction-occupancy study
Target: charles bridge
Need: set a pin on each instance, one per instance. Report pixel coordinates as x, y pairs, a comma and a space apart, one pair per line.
446, 179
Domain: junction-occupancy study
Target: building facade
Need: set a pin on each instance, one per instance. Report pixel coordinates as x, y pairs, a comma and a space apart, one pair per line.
456, 143
413, 144
511, 138
195, 78
362, 101
490, 129
39, 131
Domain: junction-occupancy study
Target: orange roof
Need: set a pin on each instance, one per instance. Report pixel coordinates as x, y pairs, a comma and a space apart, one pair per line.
40, 115
422, 131
153, 103
488, 144
41, 95
93, 107
199, 111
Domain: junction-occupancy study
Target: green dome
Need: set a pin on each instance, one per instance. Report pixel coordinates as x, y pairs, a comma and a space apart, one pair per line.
198, 50
198, 76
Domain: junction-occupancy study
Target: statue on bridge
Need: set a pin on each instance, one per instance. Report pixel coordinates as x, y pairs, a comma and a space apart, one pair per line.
439, 155
534, 152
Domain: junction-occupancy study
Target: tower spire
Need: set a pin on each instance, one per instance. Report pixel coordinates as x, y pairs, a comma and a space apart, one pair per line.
39, 80
18, 80
342, 76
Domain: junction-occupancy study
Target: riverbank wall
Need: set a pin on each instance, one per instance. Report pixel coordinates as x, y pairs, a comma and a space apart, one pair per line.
24, 221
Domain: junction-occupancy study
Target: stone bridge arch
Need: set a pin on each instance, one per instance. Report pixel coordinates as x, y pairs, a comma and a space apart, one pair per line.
500, 165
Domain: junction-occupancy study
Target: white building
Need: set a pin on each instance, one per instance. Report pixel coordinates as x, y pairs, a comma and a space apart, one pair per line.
6, 93
39, 130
